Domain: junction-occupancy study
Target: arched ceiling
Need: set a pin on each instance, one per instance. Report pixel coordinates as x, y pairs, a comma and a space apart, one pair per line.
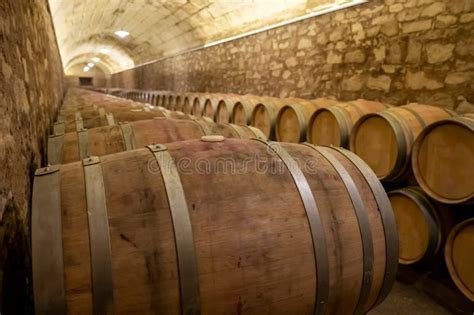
85, 28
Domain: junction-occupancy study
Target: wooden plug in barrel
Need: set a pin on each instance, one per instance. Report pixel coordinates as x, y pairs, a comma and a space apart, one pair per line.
443, 159
155, 230
422, 225
225, 107
459, 257
332, 125
384, 140
242, 111
265, 113
235, 131
292, 119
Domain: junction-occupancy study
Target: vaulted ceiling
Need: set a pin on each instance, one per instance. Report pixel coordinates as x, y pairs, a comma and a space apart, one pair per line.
85, 28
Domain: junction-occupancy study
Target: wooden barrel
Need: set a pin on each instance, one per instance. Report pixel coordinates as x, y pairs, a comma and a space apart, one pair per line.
265, 113
292, 119
198, 105
243, 108
100, 118
333, 125
459, 257
171, 98
74, 146
422, 225
384, 140
178, 103
210, 105
157, 230
443, 160
188, 103
225, 107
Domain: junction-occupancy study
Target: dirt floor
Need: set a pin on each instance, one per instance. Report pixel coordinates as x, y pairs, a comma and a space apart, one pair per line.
405, 299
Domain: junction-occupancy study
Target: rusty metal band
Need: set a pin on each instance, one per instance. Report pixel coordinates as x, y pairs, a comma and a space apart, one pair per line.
77, 115
128, 136
187, 262
388, 222
418, 118
364, 227
101, 112
110, 119
47, 242
315, 226
257, 132
238, 130
451, 113
402, 144
429, 213
79, 124
99, 237
55, 149
59, 128
83, 143
204, 126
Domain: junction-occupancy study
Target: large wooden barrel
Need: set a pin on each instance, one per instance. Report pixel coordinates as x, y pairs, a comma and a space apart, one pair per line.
100, 118
265, 113
332, 125
188, 101
422, 225
459, 257
292, 119
74, 146
384, 140
443, 160
198, 105
243, 108
178, 103
225, 107
283, 229
171, 101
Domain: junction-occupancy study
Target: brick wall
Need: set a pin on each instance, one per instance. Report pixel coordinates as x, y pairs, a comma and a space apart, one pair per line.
396, 51
31, 87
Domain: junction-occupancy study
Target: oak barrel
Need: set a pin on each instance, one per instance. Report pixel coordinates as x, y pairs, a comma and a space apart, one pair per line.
294, 229
384, 140
459, 257
210, 105
422, 225
265, 113
443, 160
242, 111
292, 119
332, 125
225, 107
74, 146
198, 105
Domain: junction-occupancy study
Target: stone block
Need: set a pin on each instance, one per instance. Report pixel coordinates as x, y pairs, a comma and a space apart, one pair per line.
433, 9
390, 28
413, 51
353, 84
437, 53
456, 78
443, 21
356, 56
379, 83
417, 26
467, 18
334, 57
409, 14
418, 80
305, 43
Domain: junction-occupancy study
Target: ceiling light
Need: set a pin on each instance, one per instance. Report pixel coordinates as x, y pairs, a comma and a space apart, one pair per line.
86, 68
122, 33
90, 65
96, 59
105, 50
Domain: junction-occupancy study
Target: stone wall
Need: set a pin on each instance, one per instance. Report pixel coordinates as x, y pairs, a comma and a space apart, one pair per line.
396, 51
31, 87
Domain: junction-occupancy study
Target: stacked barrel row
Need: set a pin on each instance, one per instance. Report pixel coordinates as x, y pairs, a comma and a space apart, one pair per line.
147, 210
423, 154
